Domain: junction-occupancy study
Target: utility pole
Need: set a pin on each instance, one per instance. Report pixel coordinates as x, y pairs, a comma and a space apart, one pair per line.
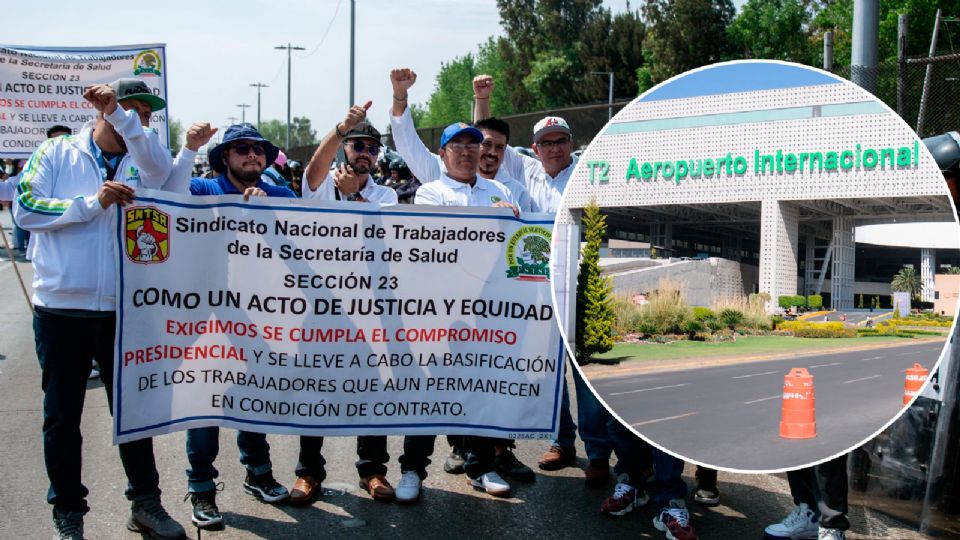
863, 52
290, 48
353, 26
259, 86
609, 74
243, 115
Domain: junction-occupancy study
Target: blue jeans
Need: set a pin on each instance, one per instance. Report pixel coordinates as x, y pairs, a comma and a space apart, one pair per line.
633, 453
20, 237
417, 450
668, 471
567, 434
203, 445
593, 419
65, 345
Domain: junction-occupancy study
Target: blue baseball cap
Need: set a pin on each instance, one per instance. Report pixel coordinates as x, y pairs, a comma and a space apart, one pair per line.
238, 132
457, 128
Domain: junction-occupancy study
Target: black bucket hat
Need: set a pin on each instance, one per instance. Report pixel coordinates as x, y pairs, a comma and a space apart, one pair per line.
240, 132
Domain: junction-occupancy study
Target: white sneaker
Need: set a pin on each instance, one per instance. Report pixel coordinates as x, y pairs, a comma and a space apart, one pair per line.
831, 534
94, 371
801, 524
408, 490
492, 484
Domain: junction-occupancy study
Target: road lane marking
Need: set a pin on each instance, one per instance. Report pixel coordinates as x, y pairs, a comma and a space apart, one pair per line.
755, 374
826, 365
871, 358
646, 389
763, 399
908, 354
861, 379
663, 419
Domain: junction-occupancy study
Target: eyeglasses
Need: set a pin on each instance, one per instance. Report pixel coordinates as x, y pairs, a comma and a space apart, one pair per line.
360, 146
460, 147
243, 149
546, 145
487, 145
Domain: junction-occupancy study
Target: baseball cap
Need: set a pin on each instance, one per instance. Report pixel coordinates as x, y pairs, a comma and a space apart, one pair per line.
455, 129
550, 124
363, 130
132, 88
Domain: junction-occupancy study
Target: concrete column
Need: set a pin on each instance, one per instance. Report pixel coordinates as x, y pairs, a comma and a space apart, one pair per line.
810, 266
928, 265
844, 263
779, 240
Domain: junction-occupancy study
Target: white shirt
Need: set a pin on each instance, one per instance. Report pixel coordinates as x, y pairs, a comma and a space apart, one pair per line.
372, 192
448, 192
427, 166
8, 188
545, 190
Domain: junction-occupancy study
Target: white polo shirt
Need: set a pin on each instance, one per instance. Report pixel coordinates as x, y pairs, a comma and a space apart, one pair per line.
448, 192
372, 192
544, 190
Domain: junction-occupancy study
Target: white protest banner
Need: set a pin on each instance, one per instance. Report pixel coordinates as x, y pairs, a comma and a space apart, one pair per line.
333, 319
41, 87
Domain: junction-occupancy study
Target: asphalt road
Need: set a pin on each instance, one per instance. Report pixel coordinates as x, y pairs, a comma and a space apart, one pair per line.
729, 416
557, 505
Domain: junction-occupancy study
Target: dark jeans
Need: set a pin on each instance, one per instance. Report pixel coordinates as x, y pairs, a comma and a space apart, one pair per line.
203, 445
372, 455
668, 472
634, 455
311, 462
417, 450
65, 345
20, 237
824, 489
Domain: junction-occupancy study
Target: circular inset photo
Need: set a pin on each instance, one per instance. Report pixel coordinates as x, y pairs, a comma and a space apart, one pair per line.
761, 264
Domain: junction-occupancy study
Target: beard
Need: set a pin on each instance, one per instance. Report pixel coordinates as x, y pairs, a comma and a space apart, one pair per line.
247, 177
361, 166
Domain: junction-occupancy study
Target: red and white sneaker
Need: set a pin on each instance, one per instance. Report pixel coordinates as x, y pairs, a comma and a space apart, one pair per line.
624, 499
674, 519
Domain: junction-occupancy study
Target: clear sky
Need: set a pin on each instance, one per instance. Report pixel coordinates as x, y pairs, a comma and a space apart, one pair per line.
740, 77
216, 49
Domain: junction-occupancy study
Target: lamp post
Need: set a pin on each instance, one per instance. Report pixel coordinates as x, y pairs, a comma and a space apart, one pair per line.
289, 49
609, 74
243, 115
259, 86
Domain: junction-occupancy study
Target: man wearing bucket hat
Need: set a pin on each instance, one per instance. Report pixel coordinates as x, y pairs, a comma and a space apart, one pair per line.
240, 159
64, 199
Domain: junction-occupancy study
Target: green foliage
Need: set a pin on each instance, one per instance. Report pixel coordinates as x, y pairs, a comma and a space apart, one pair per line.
952, 270
595, 318
790, 301
776, 321
702, 313
684, 34
301, 132
907, 280
627, 316
731, 318
666, 311
811, 332
814, 301
176, 135
771, 29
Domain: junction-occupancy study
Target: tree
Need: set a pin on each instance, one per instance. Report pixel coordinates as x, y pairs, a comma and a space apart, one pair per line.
907, 280
772, 29
595, 318
301, 133
684, 34
176, 135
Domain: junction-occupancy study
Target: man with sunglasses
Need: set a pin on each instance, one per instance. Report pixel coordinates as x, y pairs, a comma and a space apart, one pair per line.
64, 198
240, 159
351, 181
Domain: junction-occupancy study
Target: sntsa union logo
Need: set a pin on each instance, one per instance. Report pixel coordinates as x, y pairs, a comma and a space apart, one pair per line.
528, 254
147, 63
148, 235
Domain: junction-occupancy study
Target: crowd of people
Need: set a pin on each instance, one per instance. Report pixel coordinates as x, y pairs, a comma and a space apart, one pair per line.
66, 190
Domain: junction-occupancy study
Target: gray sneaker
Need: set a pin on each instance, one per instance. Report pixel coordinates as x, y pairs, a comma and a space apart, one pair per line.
67, 525
148, 516
831, 534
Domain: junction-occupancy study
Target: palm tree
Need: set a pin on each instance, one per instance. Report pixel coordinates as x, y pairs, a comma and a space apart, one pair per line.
907, 280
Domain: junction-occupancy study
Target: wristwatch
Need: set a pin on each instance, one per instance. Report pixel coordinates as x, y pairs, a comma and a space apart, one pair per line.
354, 197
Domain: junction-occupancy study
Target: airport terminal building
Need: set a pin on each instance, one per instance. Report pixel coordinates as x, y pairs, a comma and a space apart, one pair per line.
757, 191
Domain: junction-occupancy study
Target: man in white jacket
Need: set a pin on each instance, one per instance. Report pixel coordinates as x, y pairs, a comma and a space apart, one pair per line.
64, 199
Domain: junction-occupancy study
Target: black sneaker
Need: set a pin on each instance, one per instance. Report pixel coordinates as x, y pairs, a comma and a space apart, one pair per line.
507, 464
454, 462
265, 488
147, 516
206, 515
67, 525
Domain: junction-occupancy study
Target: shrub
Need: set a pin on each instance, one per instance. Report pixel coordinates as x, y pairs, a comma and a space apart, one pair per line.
731, 318
815, 301
627, 316
713, 324
776, 321
692, 327
702, 313
666, 309
813, 332
752, 310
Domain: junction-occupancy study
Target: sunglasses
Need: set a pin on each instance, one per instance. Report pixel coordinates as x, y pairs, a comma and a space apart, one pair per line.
244, 149
360, 146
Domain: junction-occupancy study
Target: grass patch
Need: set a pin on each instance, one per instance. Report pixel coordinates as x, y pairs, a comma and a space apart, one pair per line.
745, 345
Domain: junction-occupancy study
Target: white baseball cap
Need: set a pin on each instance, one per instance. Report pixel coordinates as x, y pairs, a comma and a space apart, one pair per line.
550, 124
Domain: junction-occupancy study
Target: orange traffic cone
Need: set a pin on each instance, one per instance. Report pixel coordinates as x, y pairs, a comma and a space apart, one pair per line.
916, 376
799, 419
